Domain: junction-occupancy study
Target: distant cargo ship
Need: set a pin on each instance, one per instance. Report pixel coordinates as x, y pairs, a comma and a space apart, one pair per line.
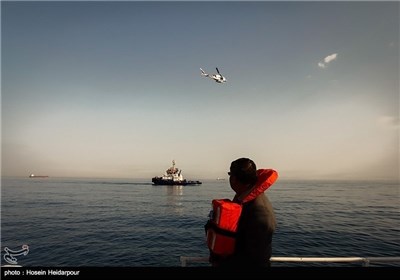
37, 176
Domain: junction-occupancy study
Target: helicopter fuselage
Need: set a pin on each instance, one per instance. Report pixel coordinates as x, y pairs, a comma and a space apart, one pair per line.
219, 78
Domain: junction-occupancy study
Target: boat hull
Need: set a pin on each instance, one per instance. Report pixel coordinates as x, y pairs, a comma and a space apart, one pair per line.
161, 181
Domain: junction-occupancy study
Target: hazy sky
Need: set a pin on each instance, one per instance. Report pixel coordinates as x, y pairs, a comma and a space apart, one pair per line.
106, 89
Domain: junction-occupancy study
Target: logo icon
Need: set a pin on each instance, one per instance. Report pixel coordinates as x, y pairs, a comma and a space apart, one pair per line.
10, 255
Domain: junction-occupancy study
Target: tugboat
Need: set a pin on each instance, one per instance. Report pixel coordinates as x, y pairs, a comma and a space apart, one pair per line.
173, 176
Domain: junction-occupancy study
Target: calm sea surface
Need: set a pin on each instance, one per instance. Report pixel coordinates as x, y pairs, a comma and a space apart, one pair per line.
131, 223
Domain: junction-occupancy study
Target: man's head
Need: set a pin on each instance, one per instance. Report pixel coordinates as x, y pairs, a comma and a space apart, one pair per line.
242, 174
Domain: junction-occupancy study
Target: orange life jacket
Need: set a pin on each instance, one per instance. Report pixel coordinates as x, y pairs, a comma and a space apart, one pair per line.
221, 228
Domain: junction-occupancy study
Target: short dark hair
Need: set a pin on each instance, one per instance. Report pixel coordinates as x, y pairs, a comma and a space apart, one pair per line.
245, 170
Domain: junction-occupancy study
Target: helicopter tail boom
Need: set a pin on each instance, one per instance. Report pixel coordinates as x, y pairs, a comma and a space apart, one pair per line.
203, 73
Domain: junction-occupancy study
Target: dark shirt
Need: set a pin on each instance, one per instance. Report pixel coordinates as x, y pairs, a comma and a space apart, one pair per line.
254, 236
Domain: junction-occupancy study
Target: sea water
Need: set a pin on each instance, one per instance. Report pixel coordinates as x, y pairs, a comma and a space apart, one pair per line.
132, 223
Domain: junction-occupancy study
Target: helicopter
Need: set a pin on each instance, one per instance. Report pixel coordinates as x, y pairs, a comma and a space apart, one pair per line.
216, 77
